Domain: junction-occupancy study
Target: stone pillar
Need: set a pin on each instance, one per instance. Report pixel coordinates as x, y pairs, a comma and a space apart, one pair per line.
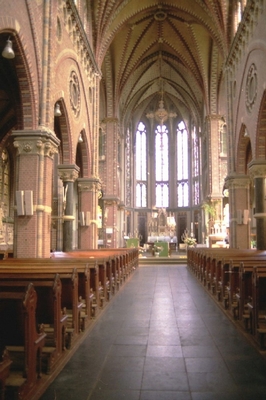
239, 206
89, 189
110, 218
257, 169
34, 167
68, 174
111, 191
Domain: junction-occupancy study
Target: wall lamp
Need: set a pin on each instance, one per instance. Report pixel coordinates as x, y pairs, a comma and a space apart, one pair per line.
8, 51
57, 111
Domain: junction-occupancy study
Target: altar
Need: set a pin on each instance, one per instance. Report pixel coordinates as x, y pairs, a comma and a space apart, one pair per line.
164, 244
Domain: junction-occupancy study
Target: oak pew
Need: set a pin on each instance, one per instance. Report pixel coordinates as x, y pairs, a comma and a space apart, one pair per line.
222, 270
216, 264
4, 372
246, 297
20, 339
122, 262
233, 290
49, 315
128, 256
99, 281
70, 303
131, 256
82, 267
239, 280
259, 304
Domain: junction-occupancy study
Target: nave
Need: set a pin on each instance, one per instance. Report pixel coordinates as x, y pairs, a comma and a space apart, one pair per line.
162, 338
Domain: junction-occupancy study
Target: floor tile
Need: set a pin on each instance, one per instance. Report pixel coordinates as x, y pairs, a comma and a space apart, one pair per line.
162, 337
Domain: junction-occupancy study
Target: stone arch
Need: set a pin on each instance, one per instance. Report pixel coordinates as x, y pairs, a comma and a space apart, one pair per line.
63, 132
83, 155
27, 107
244, 151
261, 130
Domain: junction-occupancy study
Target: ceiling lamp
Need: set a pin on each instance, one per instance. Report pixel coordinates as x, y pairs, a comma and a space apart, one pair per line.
57, 111
8, 52
80, 138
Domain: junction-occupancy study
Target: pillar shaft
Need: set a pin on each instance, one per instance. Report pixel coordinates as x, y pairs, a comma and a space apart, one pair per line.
89, 189
34, 165
257, 170
239, 205
68, 174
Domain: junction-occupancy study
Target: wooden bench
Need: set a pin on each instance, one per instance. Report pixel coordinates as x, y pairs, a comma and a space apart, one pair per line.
48, 312
4, 372
19, 337
259, 303
236, 279
70, 303
82, 296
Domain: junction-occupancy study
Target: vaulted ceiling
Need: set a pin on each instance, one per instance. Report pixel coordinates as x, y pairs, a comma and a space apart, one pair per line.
171, 49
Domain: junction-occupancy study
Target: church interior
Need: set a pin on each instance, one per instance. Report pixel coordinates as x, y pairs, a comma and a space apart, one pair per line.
132, 141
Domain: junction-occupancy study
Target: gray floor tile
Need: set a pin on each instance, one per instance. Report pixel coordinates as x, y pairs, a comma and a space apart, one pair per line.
162, 338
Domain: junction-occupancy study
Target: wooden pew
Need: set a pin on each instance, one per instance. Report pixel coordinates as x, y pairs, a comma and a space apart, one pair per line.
237, 279
103, 292
87, 269
18, 335
115, 268
48, 312
4, 373
259, 304
70, 303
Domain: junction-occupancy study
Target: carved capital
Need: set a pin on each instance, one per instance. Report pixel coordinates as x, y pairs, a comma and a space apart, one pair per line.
36, 142
237, 182
68, 173
257, 169
110, 201
89, 184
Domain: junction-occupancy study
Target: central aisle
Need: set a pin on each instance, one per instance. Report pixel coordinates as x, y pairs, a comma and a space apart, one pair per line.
162, 338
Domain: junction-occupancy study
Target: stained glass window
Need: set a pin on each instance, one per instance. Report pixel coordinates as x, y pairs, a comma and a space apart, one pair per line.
182, 166
141, 166
162, 166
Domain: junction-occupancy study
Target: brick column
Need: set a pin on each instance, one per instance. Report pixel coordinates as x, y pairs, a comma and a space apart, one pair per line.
239, 205
34, 166
68, 174
88, 203
257, 169
109, 223
111, 196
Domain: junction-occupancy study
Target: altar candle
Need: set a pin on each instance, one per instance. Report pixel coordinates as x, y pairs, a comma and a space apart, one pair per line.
191, 226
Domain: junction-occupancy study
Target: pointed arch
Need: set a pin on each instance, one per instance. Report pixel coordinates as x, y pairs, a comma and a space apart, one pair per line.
244, 151
261, 130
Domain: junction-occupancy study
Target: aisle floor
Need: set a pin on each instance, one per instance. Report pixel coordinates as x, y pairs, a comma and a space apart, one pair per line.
162, 338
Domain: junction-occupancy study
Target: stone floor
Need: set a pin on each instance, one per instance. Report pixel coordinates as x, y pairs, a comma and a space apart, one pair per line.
162, 338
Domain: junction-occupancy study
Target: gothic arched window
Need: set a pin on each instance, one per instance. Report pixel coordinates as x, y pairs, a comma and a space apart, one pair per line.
182, 166
141, 166
161, 166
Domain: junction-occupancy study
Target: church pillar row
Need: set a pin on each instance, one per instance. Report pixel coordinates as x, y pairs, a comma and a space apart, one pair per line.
88, 204
215, 191
68, 174
239, 205
34, 171
257, 169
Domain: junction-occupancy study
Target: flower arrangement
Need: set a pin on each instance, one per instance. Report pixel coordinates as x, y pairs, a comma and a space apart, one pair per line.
188, 240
